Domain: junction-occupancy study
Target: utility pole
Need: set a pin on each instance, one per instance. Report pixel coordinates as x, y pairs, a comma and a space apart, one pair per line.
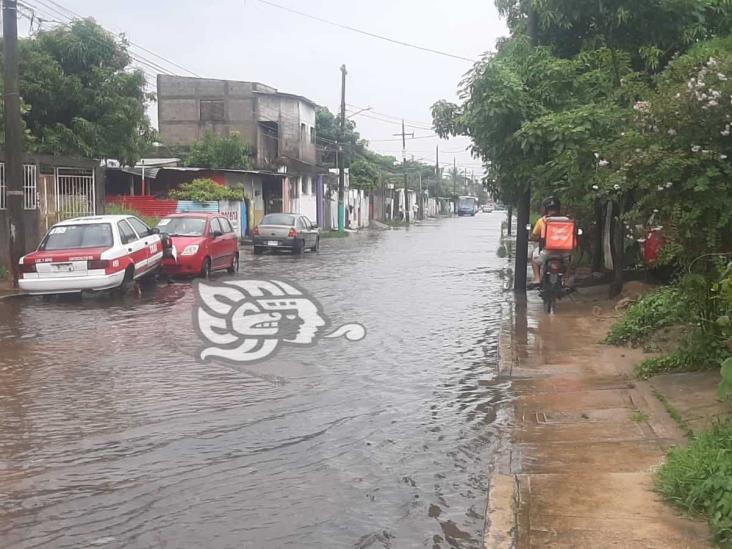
454, 176
404, 165
523, 212
421, 199
341, 169
437, 165
13, 144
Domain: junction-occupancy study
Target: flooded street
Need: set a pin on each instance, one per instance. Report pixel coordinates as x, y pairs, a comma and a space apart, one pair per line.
112, 435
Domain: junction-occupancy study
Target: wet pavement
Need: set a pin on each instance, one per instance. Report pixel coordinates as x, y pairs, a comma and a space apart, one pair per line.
112, 435
587, 437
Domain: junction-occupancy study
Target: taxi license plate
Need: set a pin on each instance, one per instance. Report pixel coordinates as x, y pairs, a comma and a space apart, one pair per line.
63, 267
273, 243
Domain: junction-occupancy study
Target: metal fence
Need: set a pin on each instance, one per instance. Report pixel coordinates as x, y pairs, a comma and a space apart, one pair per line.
75, 193
30, 187
3, 188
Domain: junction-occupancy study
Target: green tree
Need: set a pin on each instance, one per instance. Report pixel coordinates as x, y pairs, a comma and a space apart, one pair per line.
80, 96
328, 132
219, 152
364, 175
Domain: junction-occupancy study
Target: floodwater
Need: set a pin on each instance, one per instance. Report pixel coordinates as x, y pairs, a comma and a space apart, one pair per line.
112, 435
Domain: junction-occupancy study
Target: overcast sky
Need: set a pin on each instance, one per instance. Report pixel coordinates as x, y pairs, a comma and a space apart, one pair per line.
248, 40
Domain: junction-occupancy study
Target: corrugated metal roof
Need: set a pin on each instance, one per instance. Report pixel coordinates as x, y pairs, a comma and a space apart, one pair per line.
152, 173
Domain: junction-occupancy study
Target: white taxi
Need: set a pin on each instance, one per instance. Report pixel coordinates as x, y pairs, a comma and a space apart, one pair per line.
91, 253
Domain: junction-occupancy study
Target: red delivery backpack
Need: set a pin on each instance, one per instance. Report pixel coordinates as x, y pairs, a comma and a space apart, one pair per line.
559, 234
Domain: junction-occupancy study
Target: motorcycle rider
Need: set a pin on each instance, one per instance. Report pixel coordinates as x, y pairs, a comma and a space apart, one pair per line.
552, 207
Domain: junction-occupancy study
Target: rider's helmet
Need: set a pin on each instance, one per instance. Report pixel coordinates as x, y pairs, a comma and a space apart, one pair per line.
551, 204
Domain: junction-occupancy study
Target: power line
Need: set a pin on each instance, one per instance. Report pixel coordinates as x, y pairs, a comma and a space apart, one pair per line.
70, 15
391, 116
415, 137
366, 33
387, 121
42, 22
146, 65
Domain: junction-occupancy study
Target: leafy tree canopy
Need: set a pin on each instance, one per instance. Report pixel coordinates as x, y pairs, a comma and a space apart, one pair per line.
651, 31
219, 152
80, 96
364, 175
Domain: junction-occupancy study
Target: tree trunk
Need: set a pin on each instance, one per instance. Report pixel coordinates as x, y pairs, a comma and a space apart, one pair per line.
597, 259
617, 247
510, 220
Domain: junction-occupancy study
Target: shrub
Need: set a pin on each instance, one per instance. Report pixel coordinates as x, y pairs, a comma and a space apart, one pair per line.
664, 307
698, 479
206, 190
699, 351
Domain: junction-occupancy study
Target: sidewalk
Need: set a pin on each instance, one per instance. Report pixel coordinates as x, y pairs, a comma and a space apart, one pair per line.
587, 437
7, 290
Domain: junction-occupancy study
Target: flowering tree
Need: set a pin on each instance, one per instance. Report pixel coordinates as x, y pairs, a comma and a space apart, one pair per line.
674, 157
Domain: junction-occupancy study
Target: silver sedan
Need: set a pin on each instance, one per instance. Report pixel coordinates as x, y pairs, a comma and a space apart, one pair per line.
283, 231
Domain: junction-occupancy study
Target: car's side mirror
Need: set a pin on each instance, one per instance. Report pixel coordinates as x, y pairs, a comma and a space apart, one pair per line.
314, 226
217, 234
154, 230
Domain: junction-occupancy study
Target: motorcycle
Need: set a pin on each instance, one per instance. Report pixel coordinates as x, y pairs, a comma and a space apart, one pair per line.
553, 277
554, 284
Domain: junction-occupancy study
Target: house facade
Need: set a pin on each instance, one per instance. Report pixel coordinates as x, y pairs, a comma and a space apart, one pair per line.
55, 188
279, 127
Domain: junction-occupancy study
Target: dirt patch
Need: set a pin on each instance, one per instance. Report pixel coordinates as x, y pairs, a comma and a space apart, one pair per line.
694, 397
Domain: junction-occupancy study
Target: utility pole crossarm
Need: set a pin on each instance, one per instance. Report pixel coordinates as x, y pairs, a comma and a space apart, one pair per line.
404, 165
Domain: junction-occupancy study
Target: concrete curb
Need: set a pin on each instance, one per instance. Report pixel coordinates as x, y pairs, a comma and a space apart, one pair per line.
501, 517
12, 294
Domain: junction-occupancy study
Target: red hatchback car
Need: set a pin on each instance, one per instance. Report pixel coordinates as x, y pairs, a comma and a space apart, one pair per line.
197, 244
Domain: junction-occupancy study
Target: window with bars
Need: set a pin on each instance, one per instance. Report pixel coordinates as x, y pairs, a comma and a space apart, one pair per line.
30, 187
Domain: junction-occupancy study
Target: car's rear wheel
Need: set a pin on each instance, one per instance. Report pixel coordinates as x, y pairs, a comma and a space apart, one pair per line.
234, 265
299, 247
128, 281
316, 248
206, 269
258, 250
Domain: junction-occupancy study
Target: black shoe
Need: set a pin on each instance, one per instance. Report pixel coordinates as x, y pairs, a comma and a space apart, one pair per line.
533, 286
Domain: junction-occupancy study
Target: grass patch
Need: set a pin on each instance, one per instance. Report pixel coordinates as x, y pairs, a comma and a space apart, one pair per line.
698, 480
664, 307
674, 413
334, 234
638, 416
116, 209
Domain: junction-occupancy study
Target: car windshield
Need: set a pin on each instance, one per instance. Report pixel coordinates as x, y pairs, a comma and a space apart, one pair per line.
278, 219
68, 237
183, 226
